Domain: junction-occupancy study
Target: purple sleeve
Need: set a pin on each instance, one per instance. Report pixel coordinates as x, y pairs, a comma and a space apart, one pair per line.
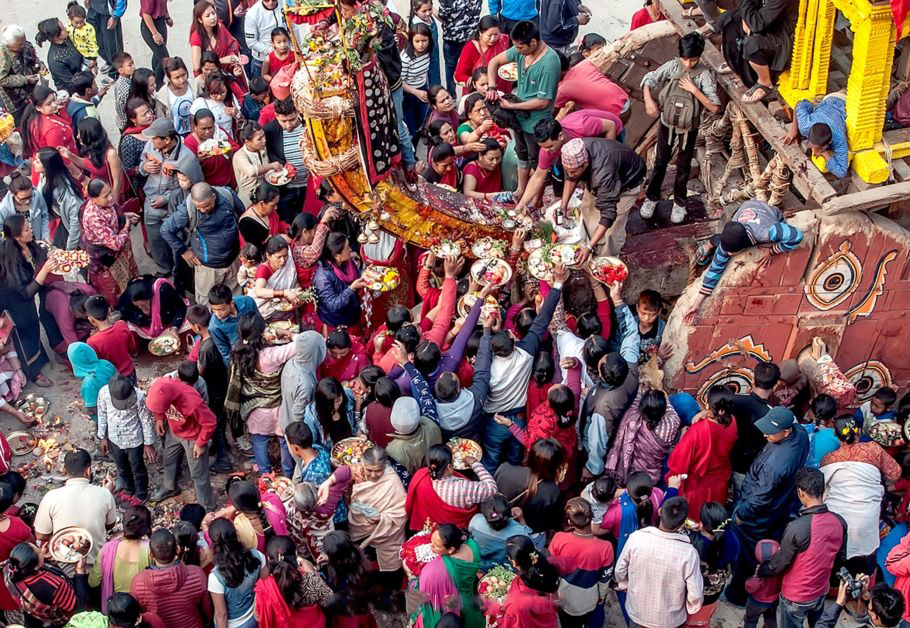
343, 479
452, 357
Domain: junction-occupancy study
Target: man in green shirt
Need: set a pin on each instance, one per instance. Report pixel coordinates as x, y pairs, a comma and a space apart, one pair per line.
538, 70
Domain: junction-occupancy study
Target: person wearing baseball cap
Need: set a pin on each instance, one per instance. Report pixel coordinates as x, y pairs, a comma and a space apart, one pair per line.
164, 154
768, 492
612, 174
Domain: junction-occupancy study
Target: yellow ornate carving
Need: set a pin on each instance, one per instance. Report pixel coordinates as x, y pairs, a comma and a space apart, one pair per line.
870, 73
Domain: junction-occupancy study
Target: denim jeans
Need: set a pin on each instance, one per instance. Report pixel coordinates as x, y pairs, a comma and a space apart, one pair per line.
415, 112
794, 614
131, 469
255, 67
404, 136
261, 454
451, 51
498, 442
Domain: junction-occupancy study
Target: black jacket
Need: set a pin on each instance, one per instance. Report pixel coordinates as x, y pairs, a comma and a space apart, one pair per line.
559, 22
274, 141
613, 168
769, 489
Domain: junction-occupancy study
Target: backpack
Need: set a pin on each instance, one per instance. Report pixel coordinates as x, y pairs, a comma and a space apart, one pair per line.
679, 109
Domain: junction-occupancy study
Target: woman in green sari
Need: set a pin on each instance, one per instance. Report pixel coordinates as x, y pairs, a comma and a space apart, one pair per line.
448, 582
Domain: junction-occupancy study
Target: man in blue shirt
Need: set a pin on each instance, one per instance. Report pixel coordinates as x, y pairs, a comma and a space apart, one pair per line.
825, 125
226, 311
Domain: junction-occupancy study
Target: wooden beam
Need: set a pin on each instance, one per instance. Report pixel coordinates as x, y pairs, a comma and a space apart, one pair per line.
873, 198
806, 177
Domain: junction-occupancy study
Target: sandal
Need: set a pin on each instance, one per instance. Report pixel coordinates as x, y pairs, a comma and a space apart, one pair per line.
42, 381
758, 93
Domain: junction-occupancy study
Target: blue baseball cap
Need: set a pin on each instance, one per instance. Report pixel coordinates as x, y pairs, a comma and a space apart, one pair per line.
776, 420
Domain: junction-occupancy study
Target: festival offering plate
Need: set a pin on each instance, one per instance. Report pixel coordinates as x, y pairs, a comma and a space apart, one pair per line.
283, 176
381, 278
508, 72
609, 270
350, 450
542, 261
491, 272
463, 448
70, 544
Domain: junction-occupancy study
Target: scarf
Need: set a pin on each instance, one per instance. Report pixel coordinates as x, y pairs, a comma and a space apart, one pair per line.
273, 611
437, 586
245, 394
424, 504
108, 559
347, 274
94, 372
628, 521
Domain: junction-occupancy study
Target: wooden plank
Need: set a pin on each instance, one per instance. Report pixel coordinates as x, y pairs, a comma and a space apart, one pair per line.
806, 177
901, 170
873, 198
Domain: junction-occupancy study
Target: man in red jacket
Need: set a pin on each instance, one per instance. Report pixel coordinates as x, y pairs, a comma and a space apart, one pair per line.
177, 593
186, 424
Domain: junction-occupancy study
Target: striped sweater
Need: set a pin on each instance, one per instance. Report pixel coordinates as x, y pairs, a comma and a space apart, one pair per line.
765, 225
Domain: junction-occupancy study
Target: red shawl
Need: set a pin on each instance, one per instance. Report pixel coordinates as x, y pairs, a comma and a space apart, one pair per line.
274, 612
423, 503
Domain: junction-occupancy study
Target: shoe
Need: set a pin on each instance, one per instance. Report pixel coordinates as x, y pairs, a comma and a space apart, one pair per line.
678, 214
221, 467
647, 209
244, 445
162, 493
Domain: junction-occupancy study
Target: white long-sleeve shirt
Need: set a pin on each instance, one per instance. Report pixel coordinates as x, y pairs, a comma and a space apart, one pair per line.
258, 25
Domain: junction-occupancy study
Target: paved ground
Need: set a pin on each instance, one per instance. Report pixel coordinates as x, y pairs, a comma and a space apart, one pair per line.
608, 20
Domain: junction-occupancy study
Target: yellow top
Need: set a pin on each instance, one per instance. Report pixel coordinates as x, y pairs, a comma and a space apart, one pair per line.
84, 40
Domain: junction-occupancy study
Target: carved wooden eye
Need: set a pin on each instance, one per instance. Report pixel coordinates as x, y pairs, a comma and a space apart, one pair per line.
739, 379
868, 377
835, 279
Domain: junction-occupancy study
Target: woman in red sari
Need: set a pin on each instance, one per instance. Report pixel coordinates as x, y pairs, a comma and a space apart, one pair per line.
703, 453
45, 123
208, 33
438, 494
488, 42
293, 593
307, 240
101, 160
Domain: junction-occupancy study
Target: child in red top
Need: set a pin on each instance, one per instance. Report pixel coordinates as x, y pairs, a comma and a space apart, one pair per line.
280, 55
763, 592
113, 342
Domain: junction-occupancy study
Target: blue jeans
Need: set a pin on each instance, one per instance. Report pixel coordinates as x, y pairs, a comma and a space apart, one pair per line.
451, 50
498, 442
261, 454
404, 137
415, 112
255, 67
794, 614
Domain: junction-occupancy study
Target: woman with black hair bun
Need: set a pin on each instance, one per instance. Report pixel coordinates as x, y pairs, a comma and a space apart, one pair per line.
46, 595
492, 526
441, 495
856, 475
122, 558
703, 452
256, 516
646, 436
353, 578
531, 600
124, 611
449, 580
292, 593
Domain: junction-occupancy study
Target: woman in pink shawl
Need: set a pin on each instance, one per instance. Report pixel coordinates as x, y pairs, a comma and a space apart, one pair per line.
152, 306
345, 357
645, 437
448, 582
377, 515
122, 558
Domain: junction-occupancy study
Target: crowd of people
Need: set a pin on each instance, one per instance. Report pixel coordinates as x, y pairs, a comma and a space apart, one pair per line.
587, 481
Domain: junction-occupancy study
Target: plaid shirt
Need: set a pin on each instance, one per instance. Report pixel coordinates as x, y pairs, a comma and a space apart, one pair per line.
662, 573
125, 428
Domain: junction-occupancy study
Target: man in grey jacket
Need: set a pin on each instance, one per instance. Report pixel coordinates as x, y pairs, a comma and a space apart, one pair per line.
162, 157
209, 218
23, 198
298, 378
